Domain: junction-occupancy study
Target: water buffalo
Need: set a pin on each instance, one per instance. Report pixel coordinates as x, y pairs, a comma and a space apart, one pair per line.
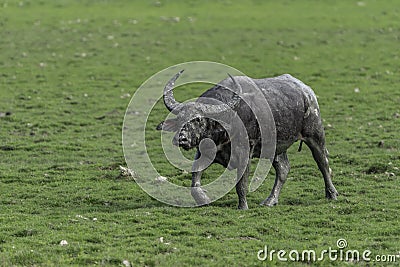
295, 112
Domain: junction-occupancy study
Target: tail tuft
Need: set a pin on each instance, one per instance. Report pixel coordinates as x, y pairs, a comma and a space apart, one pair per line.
300, 146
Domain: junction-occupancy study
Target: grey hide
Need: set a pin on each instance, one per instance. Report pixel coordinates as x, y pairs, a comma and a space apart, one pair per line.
296, 114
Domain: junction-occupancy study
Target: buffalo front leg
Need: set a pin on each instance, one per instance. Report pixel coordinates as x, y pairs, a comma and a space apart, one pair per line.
282, 167
197, 192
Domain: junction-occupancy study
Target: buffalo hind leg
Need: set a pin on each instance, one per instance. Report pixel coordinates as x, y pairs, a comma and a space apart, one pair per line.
282, 167
320, 154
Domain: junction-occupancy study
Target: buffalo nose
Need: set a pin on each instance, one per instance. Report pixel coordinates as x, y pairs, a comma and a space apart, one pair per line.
183, 142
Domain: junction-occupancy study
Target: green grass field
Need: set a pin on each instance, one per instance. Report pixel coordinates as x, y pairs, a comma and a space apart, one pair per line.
68, 69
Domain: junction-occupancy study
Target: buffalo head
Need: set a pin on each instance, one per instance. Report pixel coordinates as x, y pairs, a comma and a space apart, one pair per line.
196, 120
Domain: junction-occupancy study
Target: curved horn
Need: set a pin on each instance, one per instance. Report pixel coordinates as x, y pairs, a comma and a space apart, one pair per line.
232, 104
238, 88
169, 99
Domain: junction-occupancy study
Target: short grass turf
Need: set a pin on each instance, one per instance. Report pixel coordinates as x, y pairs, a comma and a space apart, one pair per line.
67, 67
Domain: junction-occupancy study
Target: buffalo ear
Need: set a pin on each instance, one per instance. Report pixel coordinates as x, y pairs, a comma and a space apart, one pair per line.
168, 125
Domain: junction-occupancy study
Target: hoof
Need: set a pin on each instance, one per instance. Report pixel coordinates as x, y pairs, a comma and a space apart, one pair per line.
200, 196
243, 207
269, 202
331, 194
